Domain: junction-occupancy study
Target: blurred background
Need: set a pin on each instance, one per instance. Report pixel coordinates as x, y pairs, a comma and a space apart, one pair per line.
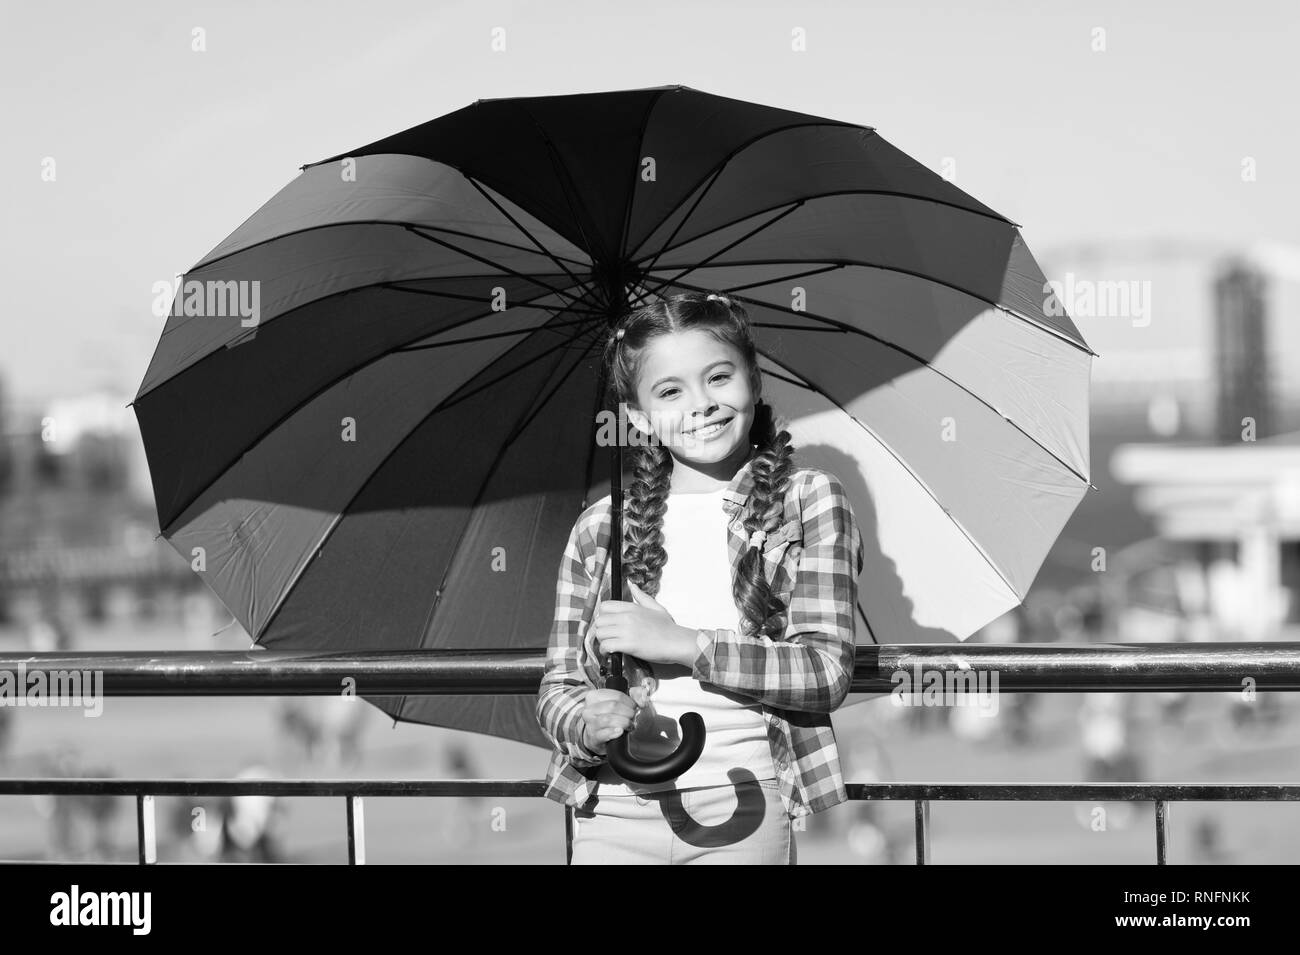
1141, 151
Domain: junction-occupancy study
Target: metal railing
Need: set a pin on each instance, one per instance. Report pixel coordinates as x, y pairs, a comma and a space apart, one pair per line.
1039, 668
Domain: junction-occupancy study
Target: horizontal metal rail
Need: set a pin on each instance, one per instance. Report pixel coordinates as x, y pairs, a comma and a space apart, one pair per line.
1039, 668
1020, 667
113, 786
353, 791
527, 788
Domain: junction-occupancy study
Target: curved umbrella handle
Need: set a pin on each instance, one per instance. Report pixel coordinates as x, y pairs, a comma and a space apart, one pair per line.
659, 770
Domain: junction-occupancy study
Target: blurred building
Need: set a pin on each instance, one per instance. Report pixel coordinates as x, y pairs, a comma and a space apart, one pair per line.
89, 440
1189, 333
1230, 517
1194, 396
1194, 416
1244, 373
78, 528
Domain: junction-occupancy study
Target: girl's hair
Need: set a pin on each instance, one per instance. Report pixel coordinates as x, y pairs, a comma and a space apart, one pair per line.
645, 499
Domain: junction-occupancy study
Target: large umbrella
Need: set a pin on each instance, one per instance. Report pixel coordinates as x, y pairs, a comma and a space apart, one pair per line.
386, 447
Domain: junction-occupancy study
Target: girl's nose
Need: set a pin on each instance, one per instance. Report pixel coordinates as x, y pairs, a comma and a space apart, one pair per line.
704, 408
697, 419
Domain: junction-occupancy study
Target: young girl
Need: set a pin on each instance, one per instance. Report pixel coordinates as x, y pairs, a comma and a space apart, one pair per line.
742, 571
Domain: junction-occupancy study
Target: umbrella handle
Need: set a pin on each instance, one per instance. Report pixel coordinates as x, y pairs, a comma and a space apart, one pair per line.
659, 770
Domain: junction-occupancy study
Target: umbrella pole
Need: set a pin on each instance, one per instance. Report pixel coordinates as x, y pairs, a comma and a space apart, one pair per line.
616, 680
692, 724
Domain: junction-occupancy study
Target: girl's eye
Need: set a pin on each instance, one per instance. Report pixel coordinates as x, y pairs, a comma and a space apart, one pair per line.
669, 392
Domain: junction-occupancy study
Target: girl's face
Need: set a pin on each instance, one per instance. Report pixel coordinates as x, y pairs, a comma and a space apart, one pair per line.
695, 396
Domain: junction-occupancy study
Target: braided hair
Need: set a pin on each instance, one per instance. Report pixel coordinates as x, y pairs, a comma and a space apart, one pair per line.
645, 500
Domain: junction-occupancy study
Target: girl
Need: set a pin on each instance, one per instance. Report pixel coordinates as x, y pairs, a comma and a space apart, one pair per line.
742, 571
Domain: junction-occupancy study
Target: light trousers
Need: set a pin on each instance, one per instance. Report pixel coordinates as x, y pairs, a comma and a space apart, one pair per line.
743, 823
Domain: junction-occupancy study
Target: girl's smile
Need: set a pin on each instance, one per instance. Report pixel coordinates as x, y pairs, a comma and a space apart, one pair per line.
709, 431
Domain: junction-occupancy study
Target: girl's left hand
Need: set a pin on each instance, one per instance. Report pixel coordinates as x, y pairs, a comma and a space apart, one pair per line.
644, 629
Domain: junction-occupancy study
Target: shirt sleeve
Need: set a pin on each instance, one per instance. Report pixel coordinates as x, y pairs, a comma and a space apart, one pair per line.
565, 683
812, 668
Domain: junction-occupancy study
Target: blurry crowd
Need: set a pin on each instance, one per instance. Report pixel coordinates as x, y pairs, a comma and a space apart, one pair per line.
307, 737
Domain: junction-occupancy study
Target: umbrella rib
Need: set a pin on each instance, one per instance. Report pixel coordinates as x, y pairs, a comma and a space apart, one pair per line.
323, 298
563, 378
557, 259
496, 265
737, 150
826, 195
1081, 346
704, 262
317, 393
490, 335
854, 330
689, 212
399, 287
496, 462
518, 225
631, 193
785, 278
811, 386
562, 177
870, 631
338, 518
564, 343
206, 262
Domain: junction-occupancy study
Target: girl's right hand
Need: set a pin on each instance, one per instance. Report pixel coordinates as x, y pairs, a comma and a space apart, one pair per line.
606, 715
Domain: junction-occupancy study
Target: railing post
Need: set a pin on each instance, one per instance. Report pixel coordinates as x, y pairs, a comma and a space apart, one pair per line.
144, 825
922, 832
356, 831
568, 835
1162, 831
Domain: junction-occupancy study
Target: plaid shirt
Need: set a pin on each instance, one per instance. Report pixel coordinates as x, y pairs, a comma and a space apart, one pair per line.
813, 561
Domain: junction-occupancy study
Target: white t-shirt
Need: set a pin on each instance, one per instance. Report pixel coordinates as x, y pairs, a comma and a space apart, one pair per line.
695, 587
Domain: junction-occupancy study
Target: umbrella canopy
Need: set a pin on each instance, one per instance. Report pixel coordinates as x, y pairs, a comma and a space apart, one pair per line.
387, 445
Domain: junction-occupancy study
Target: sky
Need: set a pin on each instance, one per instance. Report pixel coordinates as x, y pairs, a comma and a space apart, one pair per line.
160, 151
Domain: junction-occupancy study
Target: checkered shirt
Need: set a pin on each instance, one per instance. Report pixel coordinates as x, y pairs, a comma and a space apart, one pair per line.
813, 561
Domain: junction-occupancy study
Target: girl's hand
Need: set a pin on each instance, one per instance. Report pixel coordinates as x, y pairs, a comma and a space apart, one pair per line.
643, 629
605, 714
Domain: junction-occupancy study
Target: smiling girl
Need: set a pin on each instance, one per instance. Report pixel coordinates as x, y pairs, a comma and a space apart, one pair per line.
742, 568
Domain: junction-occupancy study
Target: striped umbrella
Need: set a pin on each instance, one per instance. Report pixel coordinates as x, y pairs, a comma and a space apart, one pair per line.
371, 416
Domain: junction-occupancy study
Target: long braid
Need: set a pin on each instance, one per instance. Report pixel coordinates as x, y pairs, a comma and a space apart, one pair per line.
644, 506
762, 611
